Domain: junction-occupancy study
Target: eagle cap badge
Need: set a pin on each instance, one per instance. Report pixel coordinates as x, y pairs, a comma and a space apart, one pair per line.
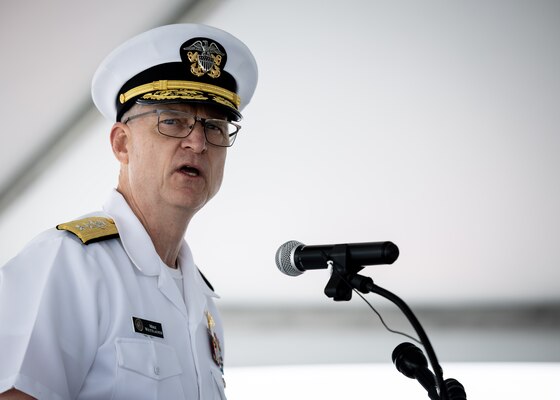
204, 56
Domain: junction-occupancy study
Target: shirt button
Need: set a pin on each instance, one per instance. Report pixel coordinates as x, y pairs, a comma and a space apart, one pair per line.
156, 370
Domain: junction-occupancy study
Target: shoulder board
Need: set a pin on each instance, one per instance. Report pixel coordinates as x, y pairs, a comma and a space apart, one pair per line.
91, 229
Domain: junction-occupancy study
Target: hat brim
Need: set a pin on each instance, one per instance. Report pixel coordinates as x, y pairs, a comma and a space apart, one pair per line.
187, 96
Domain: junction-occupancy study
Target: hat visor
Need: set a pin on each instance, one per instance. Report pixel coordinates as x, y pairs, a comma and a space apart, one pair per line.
187, 96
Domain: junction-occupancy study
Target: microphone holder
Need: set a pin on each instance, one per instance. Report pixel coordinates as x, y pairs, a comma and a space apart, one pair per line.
342, 273
345, 278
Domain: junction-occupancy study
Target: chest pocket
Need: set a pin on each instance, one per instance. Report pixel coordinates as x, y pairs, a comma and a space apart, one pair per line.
147, 370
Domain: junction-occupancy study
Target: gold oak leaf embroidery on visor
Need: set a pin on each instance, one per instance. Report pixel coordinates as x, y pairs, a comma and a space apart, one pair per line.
175, 94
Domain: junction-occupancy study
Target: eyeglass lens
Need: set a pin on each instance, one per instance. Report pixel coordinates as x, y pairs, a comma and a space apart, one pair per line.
179, 124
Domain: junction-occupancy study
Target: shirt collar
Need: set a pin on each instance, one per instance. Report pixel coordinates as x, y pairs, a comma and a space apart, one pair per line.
140, 248
136, 241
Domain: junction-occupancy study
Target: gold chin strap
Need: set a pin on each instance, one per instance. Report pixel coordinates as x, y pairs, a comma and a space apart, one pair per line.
169, 85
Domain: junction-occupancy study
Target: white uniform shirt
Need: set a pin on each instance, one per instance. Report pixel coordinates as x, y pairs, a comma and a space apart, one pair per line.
66, 310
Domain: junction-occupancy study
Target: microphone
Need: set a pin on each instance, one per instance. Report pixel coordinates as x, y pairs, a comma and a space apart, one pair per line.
294, 258
455, 390
412, 363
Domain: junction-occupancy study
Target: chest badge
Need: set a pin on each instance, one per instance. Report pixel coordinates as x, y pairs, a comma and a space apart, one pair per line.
146, 327
215, 347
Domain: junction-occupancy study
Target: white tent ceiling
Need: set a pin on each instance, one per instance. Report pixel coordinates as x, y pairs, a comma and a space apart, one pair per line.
434, 125
431, 124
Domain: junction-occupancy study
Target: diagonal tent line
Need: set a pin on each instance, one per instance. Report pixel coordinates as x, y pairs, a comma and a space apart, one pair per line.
84, 112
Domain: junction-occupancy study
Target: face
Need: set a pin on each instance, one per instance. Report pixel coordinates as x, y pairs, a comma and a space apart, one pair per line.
159, 171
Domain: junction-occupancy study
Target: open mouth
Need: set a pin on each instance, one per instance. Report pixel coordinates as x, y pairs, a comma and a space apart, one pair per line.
190, 171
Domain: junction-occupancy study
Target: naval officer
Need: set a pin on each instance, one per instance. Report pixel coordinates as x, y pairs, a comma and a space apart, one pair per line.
111, 305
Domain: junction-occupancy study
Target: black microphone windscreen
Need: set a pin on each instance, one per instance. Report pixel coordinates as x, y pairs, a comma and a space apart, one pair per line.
408, 359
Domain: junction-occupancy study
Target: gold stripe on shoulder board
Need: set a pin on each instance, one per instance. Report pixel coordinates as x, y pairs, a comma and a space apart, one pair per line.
91, 229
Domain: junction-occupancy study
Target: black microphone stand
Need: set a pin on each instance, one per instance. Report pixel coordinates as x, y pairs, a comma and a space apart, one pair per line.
345, 277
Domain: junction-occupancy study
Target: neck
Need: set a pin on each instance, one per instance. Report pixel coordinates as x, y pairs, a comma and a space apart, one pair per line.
166, 227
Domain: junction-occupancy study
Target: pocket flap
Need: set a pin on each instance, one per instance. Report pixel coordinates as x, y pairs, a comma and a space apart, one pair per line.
155, 360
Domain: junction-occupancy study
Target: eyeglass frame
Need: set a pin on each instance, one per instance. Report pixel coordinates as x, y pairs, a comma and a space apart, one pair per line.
158, 112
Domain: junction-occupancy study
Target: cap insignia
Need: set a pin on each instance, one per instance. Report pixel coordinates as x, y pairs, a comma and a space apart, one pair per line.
205, 58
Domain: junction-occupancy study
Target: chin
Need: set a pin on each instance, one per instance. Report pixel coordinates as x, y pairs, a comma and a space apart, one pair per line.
190, 203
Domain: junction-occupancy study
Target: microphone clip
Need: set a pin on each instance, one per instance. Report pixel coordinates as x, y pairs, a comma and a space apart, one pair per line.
343, 273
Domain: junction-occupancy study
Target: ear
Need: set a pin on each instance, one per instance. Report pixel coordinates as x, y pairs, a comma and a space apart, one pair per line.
120, 141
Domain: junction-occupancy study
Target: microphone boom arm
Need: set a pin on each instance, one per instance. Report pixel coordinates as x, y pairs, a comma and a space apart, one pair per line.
367, 285
345, 278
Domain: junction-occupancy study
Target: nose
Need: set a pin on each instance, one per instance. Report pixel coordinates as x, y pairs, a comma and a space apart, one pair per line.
196, 139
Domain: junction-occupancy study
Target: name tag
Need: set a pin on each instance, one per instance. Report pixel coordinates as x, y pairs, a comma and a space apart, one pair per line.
146, 327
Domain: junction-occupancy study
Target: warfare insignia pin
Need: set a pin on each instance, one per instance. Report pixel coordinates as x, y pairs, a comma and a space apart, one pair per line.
206, 57
215, 347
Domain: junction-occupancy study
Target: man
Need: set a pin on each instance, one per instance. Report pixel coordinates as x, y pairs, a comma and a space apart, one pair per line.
112, 306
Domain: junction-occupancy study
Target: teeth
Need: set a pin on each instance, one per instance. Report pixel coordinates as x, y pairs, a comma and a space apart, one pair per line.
191, 171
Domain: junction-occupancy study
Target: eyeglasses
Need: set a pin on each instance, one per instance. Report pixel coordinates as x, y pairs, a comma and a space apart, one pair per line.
179, 124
